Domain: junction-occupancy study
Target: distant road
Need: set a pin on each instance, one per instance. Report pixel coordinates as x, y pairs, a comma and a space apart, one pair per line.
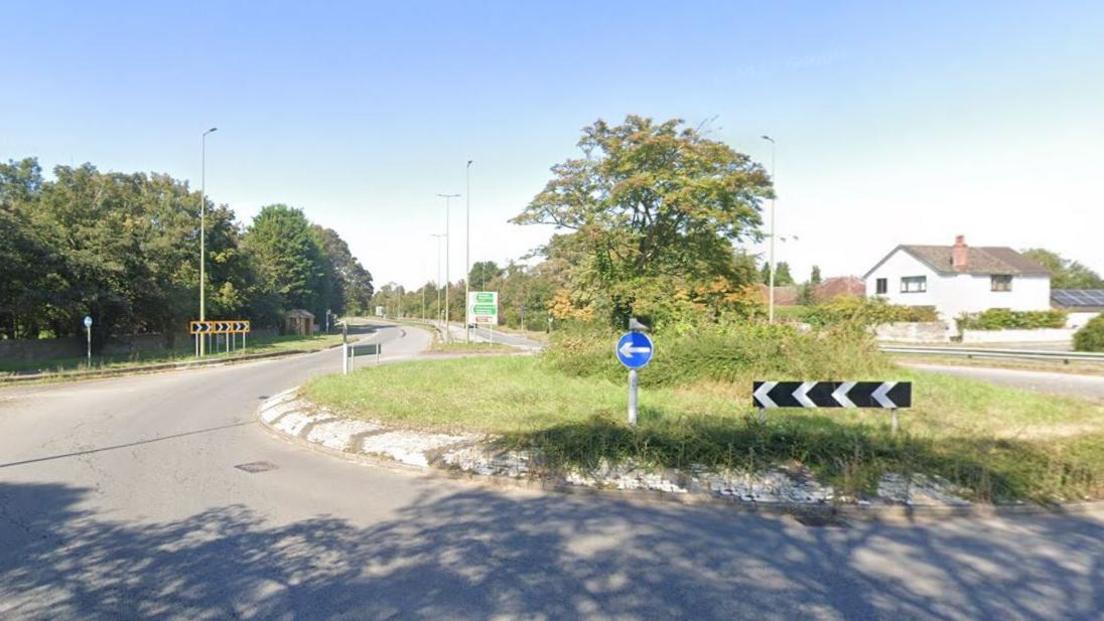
1088, 386
507, 338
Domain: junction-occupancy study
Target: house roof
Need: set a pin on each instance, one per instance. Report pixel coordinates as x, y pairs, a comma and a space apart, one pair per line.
981, 260
837, 286
299, 312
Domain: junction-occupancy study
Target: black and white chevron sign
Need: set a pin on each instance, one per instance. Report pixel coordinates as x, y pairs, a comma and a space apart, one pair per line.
886, 395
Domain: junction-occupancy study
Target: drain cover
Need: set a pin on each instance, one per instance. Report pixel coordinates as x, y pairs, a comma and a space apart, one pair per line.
820, 521
254, 467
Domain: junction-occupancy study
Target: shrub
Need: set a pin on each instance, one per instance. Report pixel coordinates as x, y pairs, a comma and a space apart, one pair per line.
1004, 319
726, 352
867, 312
1091, 336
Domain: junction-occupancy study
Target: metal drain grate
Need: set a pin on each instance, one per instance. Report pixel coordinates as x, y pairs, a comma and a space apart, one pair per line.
820, 521
254, 467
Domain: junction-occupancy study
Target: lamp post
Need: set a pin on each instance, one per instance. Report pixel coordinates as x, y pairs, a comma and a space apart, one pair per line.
437, 283
447, 197
203, 235
770, 284
467, 248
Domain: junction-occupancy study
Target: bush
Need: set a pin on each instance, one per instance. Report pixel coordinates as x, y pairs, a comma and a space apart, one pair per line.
1091, 336
730, 352
1004, 319
867, 312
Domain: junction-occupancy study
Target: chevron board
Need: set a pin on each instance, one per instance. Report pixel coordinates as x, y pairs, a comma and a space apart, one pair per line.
233, 326
886, 395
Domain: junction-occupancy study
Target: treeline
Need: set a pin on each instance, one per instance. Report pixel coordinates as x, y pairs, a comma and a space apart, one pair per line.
124, 249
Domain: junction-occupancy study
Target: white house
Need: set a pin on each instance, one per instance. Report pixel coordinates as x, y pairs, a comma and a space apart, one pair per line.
959, 279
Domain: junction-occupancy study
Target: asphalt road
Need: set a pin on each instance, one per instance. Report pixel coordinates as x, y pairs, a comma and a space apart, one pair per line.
1085, 386
122, 498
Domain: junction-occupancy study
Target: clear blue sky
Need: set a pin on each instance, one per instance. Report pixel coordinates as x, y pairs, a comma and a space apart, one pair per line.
894, 125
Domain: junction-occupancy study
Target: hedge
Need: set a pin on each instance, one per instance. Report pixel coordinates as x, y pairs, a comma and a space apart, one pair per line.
1091, 336
1004, 319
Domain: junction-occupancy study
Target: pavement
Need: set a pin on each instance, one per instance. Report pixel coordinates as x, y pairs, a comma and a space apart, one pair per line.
160, 496
1068, 384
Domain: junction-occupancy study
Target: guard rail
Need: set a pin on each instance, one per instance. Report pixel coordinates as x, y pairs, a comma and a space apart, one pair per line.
981, 352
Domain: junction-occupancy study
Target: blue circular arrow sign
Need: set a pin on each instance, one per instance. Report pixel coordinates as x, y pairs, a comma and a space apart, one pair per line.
635, 349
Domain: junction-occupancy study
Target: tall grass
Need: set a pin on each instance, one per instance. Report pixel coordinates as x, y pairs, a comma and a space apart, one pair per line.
728, 353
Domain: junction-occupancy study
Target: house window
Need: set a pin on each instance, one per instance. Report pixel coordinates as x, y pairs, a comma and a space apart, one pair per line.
914, 284
882, 286
1000, 282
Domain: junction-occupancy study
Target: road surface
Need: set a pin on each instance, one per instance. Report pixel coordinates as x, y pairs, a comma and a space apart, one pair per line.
127, 498
1085, 386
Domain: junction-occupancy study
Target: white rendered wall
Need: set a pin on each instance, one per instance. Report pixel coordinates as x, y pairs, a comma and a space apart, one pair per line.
954, 294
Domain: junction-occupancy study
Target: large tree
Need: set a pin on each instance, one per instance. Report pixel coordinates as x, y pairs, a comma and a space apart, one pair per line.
782, 274
650, 207
290, 264
483, 272
352, 292
1065, 273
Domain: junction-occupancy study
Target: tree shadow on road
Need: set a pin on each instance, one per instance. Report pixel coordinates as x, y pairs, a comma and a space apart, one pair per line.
479, 554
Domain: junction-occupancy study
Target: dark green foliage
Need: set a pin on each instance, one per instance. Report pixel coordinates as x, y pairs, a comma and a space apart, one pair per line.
865, 312
736, 352
124, 248
1004, 319
782, 275
1064, 273
350, 291
482, 273
1091, 336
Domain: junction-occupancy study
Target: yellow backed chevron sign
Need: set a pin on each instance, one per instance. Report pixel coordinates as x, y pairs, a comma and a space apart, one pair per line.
230, 326
885, 395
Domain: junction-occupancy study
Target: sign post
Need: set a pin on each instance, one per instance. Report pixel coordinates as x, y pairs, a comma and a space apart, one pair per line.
88, 330
483, 308
344, 348
634, 350
205, 330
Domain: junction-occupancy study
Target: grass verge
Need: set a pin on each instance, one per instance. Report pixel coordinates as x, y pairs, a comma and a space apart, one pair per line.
998, 444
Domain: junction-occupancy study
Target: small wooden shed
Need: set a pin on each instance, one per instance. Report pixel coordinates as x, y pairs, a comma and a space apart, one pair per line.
299, 321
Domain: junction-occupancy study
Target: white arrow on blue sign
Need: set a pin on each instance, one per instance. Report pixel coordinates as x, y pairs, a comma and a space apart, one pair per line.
87, 321
635, 349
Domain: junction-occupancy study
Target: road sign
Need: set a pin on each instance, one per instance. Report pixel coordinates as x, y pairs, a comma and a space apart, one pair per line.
483, 307
365, 349
885, 395
236, 326
635, 349
87, 321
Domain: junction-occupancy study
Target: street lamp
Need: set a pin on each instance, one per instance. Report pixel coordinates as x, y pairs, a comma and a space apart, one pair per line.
770, 284
467, 248
447, 197
437, 283
203, 235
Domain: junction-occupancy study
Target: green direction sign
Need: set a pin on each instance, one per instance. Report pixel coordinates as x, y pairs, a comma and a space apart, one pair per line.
483, 307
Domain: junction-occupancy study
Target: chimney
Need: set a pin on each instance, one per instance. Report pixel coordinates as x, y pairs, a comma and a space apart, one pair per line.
960, 254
